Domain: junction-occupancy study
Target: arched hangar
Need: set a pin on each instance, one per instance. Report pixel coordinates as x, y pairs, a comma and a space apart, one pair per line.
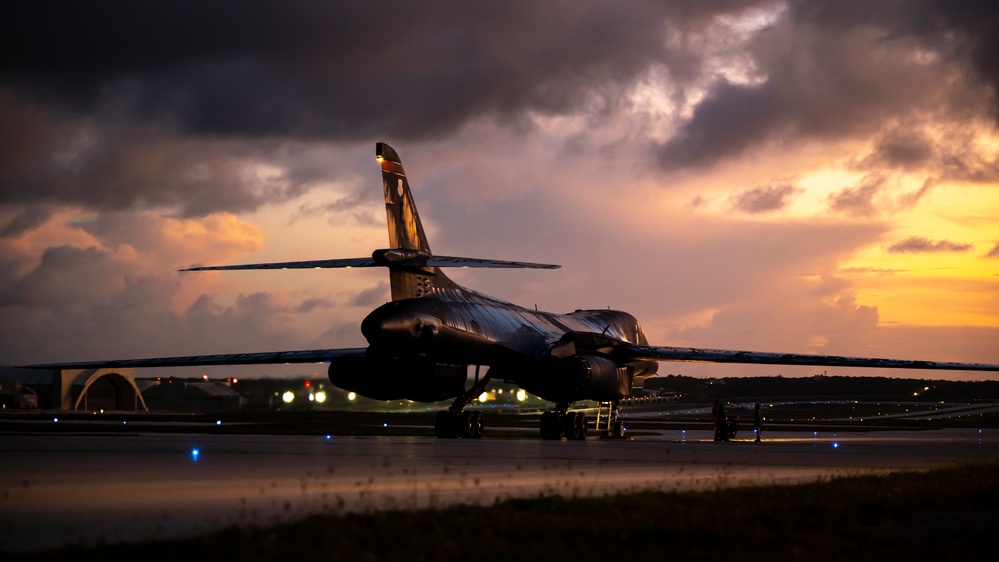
81, 389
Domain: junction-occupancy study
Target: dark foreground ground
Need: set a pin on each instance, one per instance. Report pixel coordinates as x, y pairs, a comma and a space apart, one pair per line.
948, 513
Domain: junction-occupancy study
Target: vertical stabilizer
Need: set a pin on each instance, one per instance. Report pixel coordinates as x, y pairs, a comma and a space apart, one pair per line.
404, 228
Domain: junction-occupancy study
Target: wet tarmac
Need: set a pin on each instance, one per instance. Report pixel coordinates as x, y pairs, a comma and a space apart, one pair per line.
58, 489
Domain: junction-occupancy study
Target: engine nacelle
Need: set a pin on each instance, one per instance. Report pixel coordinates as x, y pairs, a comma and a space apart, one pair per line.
592, 377
385, 377
572, 378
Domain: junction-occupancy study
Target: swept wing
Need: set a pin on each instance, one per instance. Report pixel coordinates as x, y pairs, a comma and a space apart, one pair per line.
263, 358
730, 356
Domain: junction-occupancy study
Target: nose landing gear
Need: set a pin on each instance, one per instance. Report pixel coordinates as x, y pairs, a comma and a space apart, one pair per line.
455, 422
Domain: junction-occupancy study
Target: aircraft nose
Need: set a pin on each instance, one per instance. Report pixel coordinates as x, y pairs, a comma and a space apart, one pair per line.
392, 328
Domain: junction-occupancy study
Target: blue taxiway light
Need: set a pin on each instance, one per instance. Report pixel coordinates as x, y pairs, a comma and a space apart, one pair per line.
195, 453
218, 422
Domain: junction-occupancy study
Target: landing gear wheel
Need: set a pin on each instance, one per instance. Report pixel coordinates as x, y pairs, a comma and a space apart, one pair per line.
551, 427
574, 425
472, 425
446, 425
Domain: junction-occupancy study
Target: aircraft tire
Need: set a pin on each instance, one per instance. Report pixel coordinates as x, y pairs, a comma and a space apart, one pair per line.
446, 425
472, 425
551, 429
574, 425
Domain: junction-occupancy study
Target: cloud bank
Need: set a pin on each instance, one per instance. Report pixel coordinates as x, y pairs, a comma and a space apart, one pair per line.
139, 138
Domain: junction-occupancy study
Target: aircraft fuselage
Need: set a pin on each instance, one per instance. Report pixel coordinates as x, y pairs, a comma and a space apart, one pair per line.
457, 326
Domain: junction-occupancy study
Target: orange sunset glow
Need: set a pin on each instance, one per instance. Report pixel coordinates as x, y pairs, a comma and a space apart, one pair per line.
803, 177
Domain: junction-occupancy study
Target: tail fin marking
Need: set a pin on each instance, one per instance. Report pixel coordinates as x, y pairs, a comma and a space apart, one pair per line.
405, 230
404, 226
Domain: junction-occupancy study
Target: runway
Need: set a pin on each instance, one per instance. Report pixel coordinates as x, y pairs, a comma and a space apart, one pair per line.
57, 489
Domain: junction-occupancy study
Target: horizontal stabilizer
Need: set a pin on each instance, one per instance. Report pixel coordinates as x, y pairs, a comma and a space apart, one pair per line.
312, 264
756, 357
446, 261
392, 258
265, 358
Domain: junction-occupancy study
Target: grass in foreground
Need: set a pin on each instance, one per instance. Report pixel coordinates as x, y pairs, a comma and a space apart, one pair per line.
947, 513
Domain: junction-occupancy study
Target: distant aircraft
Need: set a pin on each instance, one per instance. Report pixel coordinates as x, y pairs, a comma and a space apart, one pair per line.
423, 342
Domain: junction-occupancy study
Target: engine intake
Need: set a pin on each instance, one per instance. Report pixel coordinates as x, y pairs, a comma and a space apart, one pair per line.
595, 378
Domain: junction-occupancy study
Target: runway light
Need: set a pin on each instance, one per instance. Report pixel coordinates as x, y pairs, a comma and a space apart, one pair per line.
218, 422
385, 424
328, 437
56, 420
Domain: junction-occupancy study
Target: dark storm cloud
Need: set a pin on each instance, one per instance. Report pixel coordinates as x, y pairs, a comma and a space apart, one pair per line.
144, 79
323, 69
858, 200
125, 104
918, 244
904, 148
23, 220
114, 168
765, 198
833, 69
954, 154
46, 283
972, 26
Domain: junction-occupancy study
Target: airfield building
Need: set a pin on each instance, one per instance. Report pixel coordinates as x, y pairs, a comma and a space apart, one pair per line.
77, 389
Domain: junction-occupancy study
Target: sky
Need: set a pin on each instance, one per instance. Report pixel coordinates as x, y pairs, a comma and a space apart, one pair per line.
808, 177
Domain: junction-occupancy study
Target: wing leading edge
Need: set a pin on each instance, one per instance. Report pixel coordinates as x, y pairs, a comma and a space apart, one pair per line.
392, 258
264, 358
763, 358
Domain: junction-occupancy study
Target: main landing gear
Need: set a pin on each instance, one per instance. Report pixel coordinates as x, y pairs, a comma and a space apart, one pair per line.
450, 424
455, 422
558, 422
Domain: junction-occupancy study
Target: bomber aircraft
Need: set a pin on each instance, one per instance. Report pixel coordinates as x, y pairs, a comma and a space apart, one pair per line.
423, 343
